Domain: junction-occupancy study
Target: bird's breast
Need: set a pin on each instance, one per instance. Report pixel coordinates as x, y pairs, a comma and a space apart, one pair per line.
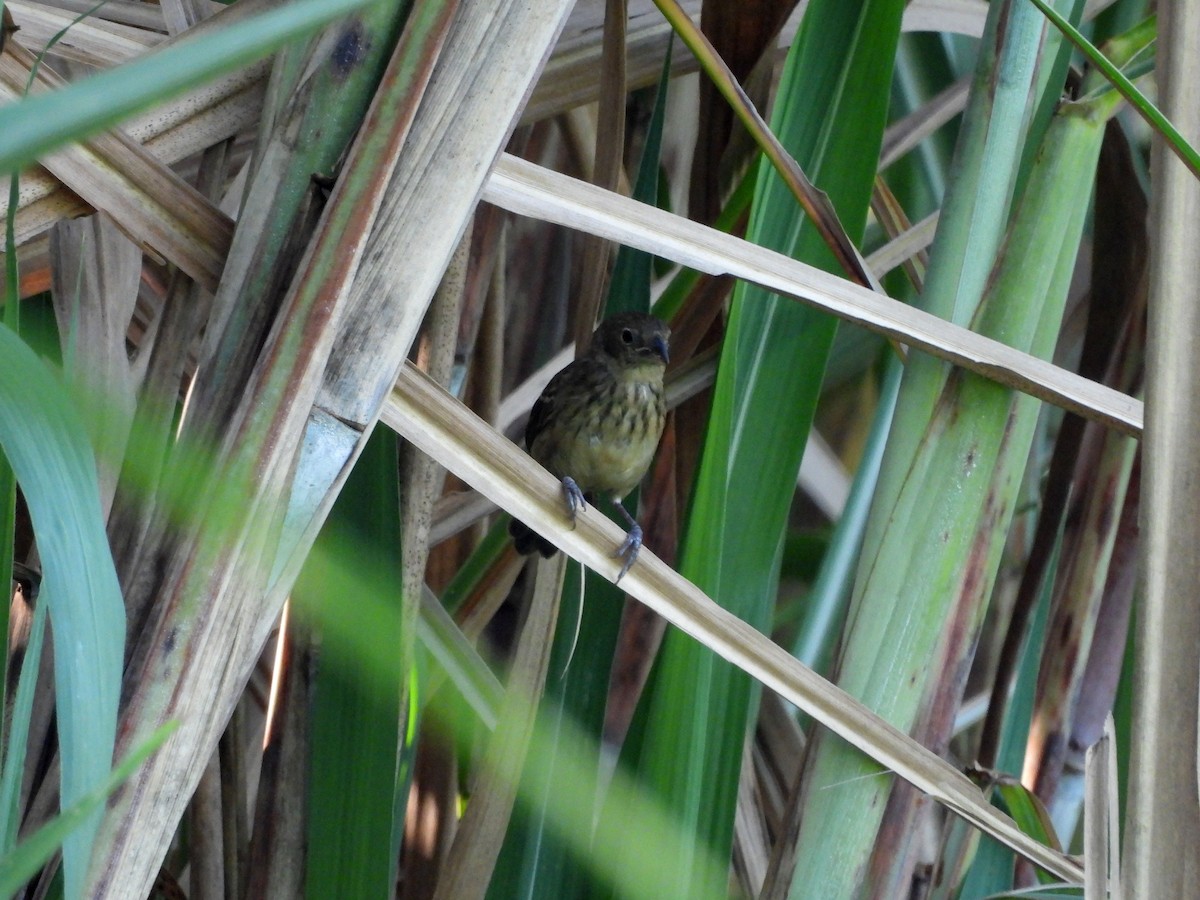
612, 438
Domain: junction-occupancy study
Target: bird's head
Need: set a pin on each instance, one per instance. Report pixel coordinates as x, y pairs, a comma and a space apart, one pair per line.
633, 338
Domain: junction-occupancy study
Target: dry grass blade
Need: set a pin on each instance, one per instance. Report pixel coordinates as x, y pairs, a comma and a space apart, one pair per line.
445, 162
421, 478
896, 224
173, 132
96, 271
151, 203
125, 12
953, 16
280, 822
1161, 854
530, 190
181, 15
904, 247
609, 145
904, 135
1101, 815
468, 869
92, 41
814, 202
570, 77
1092, 535
262, 440
438, 424
340, 331
191, 122
752, 841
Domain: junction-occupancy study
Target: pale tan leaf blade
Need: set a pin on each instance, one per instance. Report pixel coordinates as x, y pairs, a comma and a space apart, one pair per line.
527, 189
439, 425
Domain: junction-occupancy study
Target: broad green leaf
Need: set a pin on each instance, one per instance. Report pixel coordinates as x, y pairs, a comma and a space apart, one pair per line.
973, 217
992, 869
357, 717
922, 592
46, 443
768, 379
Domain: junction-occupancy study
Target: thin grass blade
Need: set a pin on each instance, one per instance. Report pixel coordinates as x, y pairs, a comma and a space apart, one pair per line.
39, 124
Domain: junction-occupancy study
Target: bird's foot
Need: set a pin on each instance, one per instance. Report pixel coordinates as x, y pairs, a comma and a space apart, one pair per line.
575, 498
628, 551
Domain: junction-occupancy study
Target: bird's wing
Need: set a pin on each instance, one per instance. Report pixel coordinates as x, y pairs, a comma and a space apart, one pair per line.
578, 380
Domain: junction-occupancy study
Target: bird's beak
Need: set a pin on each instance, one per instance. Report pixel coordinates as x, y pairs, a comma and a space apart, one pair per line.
660, 344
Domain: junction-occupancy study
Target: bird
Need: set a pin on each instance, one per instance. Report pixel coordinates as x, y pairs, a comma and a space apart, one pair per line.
598, 422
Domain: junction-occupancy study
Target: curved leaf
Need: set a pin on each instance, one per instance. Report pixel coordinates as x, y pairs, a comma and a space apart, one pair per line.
46, 443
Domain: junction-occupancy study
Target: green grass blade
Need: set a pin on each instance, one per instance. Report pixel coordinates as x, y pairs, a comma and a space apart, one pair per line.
21, 864
825, 606
973, 217
8, 510
1139, 101
1027, 811
357, 724
772, 361
921, 595
47, 445
992, 869
14, 757
1048, 86
822, 214
8, 482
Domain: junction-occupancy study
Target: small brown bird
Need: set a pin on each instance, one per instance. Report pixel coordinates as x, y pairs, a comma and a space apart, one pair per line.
598, 422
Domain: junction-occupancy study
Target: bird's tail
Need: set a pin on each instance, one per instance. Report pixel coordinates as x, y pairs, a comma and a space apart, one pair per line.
527, 540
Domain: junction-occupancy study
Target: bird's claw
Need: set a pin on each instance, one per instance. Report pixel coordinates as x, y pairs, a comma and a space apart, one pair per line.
628, 551
575, 499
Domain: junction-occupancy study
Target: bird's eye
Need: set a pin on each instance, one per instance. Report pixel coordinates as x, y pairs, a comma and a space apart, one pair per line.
627, 335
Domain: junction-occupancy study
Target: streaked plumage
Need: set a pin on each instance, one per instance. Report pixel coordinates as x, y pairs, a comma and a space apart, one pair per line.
598, 422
